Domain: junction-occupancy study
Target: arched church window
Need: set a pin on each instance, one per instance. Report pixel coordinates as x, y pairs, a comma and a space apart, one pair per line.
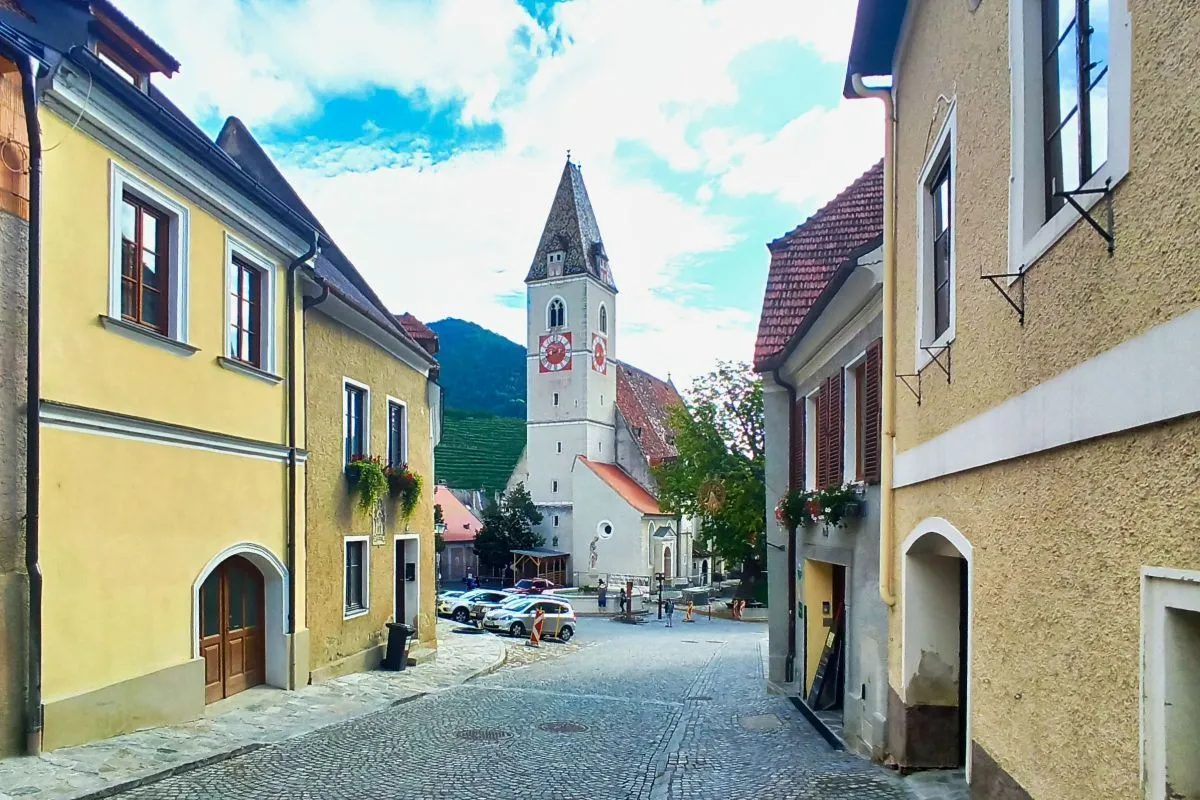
556, 313
603, 319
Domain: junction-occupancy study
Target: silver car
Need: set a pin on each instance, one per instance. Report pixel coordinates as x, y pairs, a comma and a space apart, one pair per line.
488, 600
459, 608
516, 618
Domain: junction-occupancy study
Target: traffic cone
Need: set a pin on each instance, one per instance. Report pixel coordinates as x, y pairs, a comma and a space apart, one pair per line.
535, 635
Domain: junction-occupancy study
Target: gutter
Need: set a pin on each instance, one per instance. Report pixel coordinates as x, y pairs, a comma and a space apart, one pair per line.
292, 525
887, 507
789, 667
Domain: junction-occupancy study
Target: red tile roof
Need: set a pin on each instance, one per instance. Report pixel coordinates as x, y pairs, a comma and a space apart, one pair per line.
803, 260
623, 484
461, 524
644, 401
418, 330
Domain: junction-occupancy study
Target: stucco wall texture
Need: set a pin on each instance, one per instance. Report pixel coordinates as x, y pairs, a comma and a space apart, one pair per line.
1060, 537
333, 351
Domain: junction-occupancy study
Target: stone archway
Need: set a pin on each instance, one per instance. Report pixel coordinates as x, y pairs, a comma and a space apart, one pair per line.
936, 576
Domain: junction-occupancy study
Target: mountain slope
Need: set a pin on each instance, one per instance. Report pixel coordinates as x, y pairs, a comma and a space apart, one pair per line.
481, 371
478, 451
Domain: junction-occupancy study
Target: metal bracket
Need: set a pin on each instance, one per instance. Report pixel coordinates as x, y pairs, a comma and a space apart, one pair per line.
936, 358
905, 380
1018, 305
1106, 233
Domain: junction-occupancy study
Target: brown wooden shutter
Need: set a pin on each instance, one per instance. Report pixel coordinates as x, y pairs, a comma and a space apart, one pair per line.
837, 418
823, 435
872, 411
796, 479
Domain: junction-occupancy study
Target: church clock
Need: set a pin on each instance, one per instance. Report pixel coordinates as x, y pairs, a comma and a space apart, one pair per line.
554, 352
599, 354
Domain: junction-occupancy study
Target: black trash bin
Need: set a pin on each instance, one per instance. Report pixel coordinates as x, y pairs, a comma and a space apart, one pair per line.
396, 657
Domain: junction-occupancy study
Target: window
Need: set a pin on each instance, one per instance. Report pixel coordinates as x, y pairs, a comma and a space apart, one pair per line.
145, 259
810, 441
554, 484
599, 447
603, 319
397, 443
122, 66
556, 313
936, 255
245, 314
554, 264
854, 458
356, 577
354, 429
823, 419
1171, 694
556, 398
556, 520
1071, 74
559, 446
148, 272
601, 399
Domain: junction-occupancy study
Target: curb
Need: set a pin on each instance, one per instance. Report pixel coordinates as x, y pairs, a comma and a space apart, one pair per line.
490, 668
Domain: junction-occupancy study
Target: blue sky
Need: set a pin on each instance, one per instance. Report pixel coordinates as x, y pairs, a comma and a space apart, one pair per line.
429, 136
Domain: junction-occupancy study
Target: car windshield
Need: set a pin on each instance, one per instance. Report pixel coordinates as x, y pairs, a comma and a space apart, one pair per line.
474, 594
519, 608
513, 602
524, 584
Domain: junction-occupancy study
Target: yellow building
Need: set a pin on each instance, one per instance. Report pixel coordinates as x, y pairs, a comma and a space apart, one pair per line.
1043, 319
370, 393
170, 529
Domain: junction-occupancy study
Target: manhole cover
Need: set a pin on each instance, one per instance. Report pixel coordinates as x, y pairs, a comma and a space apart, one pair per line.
761, 722
484, 734
563, 727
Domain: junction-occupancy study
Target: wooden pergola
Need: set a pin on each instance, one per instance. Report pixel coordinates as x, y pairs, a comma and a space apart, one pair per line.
541, 563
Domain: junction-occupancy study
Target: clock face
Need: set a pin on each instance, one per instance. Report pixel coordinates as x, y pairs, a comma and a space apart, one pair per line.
554, 352
599, 354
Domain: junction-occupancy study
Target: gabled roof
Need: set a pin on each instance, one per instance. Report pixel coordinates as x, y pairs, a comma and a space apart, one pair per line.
624, 485
645, 401
461, 524
803, 261
571, 227
425, 336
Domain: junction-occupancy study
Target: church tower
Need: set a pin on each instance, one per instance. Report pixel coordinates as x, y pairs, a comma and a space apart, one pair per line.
571, 340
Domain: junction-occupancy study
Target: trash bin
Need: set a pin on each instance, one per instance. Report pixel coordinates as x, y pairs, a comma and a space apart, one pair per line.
396, 657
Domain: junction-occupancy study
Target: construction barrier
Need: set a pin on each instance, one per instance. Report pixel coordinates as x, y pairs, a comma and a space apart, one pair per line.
687, 616
535, 635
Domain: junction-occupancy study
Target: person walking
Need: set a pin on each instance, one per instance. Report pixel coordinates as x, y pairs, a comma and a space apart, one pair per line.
602, 596
622, 600
670, 609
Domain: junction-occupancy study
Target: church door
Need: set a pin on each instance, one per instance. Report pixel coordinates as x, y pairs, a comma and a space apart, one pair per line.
667, 562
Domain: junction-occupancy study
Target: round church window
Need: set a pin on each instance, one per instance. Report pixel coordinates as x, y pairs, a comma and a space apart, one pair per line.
605, 529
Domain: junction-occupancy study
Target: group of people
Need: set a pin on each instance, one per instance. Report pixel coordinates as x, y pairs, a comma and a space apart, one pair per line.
623, 602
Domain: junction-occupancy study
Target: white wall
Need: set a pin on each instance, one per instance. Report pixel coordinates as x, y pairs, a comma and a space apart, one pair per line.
626, 551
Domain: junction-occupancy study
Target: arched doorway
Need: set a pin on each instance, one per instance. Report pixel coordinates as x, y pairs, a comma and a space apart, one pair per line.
704, 572
232, 628
666, 570
936, 641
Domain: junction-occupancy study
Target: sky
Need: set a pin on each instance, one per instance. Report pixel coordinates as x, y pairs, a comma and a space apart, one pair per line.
429, 136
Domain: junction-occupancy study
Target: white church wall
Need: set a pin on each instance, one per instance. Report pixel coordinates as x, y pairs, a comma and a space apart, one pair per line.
594, 554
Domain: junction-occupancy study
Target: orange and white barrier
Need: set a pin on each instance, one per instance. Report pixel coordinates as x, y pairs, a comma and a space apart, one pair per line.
535, 635
687, 616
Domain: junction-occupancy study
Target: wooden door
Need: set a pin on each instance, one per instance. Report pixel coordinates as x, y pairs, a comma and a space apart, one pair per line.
401, 586
231, 629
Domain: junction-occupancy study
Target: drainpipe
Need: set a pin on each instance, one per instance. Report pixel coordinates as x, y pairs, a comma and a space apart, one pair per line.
887, 509
33, 399
789, 665
313, 249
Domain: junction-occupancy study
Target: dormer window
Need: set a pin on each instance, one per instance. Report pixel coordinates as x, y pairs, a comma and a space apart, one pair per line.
554, 263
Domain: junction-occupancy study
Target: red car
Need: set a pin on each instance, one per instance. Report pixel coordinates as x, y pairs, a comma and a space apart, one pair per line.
533, 586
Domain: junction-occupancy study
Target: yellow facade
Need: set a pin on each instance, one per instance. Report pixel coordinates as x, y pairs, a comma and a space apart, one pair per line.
1057, 539
333, 352
818, 590
154, 464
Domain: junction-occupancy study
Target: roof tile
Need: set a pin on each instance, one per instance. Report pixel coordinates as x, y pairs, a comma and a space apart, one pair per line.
624, 485
645, 403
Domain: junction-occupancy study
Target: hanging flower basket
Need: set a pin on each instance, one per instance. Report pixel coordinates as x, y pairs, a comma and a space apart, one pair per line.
832, 506
839, 503
404, 486
367, 480
794, 509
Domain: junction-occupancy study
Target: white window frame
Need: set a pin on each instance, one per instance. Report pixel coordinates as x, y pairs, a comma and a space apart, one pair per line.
810, 440
121, 181
565, 321
395, 401
850, 415
945, 147
348, 613
1162, 589
366, 416
554, 486
235, 247
602, 320
1030, 234
554, 265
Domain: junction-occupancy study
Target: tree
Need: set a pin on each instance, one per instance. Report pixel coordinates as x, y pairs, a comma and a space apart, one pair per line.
720, 471
439, 524
507, 526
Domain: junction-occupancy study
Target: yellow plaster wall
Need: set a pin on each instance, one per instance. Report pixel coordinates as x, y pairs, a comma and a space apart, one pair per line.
127, 527
1079, 301
85, 364
332, 352
1059, 541
818, 588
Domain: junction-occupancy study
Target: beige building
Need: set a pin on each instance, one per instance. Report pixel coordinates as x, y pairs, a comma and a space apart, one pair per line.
1042, 319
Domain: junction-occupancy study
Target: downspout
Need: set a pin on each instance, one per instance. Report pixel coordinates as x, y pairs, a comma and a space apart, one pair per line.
313, 249
789, 665
887, 508
33, 399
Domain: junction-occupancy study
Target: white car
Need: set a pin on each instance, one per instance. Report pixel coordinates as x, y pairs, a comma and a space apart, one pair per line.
459, 608
516, 617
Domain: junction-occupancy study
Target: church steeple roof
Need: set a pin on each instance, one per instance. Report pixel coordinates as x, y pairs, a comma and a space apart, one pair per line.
572, 230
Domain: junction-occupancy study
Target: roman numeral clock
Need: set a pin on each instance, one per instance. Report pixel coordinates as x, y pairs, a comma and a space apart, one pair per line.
554, 352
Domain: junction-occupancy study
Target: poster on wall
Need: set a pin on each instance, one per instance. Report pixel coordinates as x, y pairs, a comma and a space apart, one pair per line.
554, 352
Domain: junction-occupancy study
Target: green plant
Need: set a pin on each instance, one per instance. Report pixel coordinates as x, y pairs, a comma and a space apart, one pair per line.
404, 485
794, 508
830, 506
367, 480
835, 501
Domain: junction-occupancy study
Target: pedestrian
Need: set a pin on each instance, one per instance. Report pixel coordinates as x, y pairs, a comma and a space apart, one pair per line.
470, 580
602, 596
670, 609
622, 600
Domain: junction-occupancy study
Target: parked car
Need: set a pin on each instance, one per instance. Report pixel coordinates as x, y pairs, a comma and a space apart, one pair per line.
489, 600
516, 618
459, 608
450, 595
533, 586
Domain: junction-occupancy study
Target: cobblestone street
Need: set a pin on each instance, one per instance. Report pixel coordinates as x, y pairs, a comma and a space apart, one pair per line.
633, 712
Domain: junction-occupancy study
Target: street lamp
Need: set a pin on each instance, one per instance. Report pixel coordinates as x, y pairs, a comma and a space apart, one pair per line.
439, 530
660, 577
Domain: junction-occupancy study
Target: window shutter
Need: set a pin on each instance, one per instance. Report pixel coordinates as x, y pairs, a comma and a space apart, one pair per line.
872, 411
796, 479
837, 416
823, 436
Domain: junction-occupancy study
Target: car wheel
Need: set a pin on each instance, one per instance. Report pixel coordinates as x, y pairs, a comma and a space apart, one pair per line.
517, 629
462, 616
566, 633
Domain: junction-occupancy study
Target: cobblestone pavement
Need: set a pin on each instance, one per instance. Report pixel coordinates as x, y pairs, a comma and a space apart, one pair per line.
633, 712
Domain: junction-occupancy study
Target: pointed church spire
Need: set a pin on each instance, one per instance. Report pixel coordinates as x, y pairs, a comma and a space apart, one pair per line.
571, 234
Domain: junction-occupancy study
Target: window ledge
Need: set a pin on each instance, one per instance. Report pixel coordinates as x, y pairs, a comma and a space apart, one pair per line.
924, 358
358, 612
148, 336
249, 370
